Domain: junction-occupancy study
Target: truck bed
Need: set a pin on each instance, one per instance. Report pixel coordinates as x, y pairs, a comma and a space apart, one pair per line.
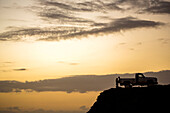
123, 80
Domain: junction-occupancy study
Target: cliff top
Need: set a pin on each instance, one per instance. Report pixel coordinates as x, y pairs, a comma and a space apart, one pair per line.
134, 100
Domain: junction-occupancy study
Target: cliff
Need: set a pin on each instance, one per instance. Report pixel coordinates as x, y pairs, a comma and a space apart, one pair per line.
134, 100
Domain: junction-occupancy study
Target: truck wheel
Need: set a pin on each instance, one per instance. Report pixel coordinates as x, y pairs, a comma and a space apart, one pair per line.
128, 85
150, 83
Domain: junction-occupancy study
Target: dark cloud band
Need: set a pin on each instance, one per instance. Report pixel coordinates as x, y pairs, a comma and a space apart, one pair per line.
81, 83
161, 7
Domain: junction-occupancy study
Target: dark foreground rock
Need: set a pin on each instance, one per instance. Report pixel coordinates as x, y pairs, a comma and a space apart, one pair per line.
134, 100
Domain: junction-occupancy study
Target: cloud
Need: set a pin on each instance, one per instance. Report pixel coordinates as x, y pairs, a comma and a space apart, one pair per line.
123, 43
164, 40
20, 69
146, 6
139, 43
132, 49
131, 4
57, 33
161, 7
13, 108
63, 33
73, 63
6, 64
152, 6
84, 108
5, 70
65, 11
79, 83
72, 22
69, 63
36, 111
9, 70
69, 6
20, 33
81, 6
116, 25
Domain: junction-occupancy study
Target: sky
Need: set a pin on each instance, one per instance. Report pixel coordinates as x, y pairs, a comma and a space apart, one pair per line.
60, 54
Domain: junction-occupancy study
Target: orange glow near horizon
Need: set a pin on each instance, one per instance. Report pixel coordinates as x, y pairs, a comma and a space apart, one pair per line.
56, 101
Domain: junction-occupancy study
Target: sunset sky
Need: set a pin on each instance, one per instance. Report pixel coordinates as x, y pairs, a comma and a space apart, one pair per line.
56, 40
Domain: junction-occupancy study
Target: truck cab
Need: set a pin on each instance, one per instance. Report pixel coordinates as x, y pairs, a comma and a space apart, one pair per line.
139, 77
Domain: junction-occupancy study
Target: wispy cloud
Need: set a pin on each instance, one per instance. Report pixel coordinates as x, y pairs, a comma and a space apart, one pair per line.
139, 43
164, 40
146, 6
84, 108
10, 70
62, 33
20, 69
159, 7
132, 49
68, 19
152, 6
82, 5
116, 25
123, 43
13, 108
6, 64
17, 109
68, 63
79, 83
73, 63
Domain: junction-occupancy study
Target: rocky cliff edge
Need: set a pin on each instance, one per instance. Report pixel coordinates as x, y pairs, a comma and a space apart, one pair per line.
133, 100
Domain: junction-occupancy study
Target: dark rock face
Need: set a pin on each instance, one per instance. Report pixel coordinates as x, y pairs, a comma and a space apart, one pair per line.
134, 100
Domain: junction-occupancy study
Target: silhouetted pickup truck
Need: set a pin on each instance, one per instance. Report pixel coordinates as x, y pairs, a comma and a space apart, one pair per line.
139, 79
